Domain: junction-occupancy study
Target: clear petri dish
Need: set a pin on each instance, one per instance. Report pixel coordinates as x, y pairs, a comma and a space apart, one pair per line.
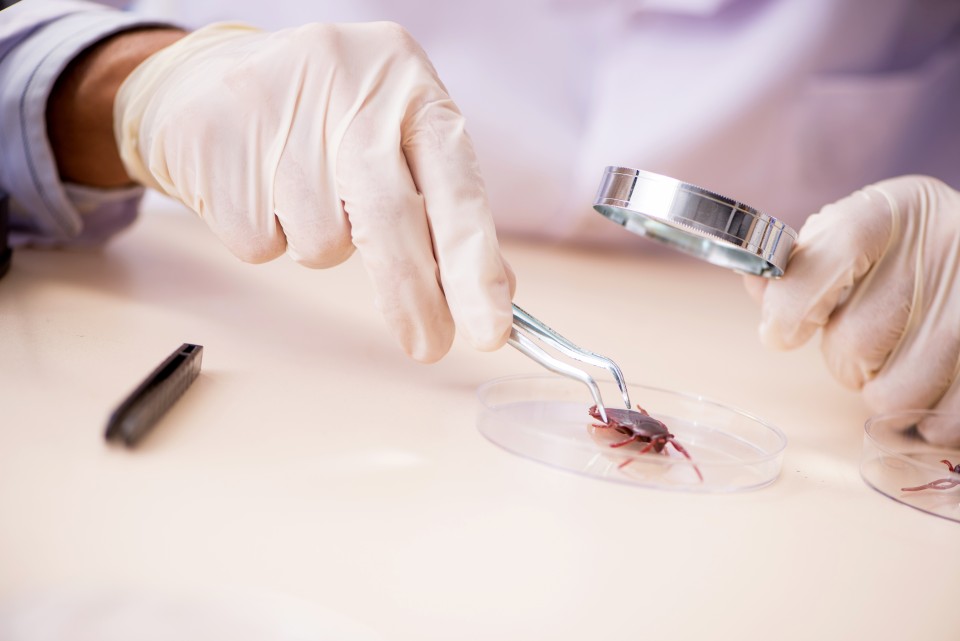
545, 418
895, 458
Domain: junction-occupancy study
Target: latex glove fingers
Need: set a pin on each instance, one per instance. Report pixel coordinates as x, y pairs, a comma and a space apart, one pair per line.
176, 121
474, 276
756, 286
440, 259
391, 231
304, 141
921, 274
834, 249
943, 429
878, 272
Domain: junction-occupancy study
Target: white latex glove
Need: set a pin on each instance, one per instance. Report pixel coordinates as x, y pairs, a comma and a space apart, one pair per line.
879, 272
319, 140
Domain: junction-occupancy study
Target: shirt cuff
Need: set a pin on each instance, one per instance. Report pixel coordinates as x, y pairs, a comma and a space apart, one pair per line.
42, 206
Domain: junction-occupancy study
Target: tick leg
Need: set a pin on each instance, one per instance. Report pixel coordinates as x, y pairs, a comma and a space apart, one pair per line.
950, 466
646, 448
642, 411
626, 442
683, 451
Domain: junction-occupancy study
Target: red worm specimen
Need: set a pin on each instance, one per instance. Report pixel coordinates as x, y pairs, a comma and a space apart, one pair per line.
939, 484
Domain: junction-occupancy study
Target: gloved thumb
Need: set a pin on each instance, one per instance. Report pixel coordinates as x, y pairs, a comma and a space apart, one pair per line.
835, 249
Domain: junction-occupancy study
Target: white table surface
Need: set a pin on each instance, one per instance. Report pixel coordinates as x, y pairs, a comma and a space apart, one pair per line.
313, 460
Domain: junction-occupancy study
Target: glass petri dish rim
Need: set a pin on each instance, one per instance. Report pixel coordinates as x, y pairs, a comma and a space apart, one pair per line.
896, 453
874, 449
766, 456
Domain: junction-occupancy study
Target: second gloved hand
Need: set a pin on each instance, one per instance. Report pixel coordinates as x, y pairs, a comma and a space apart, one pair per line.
879, 272
317, 141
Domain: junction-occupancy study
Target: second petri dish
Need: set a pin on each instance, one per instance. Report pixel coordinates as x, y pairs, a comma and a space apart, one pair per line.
900, 464
545, 418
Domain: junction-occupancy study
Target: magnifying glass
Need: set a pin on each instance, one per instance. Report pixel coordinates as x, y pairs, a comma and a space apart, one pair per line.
696, 221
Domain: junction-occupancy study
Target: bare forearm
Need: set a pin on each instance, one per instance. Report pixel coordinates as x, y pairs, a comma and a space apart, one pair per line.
80, 109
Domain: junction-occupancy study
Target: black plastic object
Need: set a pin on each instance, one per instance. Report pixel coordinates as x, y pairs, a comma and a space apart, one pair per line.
6, 254
155, 395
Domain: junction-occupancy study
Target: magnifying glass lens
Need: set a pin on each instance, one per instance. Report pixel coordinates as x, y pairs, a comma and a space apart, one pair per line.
696, 221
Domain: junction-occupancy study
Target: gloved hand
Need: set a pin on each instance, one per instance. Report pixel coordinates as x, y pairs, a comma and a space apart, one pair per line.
318, 140
879, 272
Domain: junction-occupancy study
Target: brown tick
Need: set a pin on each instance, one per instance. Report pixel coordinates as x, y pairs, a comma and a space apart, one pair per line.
639, 427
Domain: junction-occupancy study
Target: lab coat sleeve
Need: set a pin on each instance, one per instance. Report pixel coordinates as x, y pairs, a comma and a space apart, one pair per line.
38, 39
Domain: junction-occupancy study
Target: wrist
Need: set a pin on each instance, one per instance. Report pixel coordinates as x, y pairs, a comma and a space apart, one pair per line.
80, 107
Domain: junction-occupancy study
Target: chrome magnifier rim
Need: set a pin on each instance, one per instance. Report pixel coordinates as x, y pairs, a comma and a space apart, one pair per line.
697, 221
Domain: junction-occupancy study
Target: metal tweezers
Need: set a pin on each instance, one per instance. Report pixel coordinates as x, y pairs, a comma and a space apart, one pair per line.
526, 326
